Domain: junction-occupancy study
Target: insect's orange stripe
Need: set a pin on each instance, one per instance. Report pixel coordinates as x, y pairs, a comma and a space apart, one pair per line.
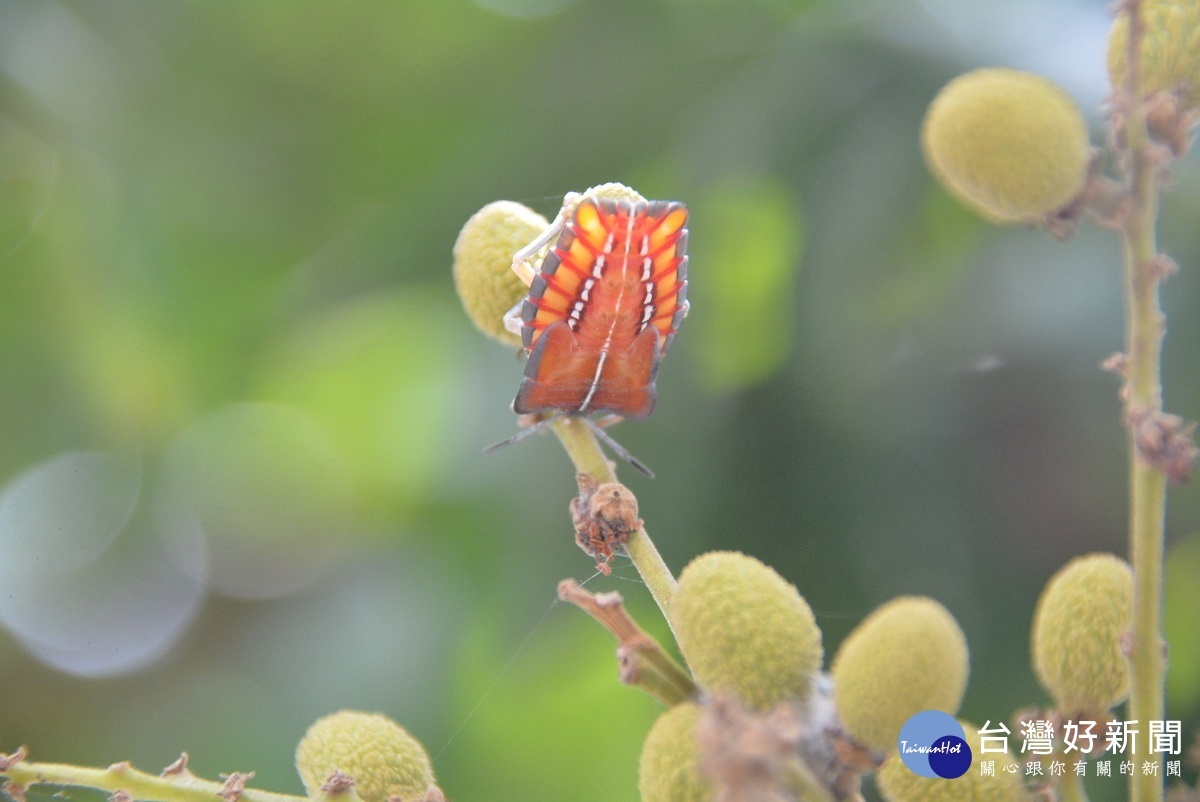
658, 221
667, 297
565, 259
586, 243
667, 243
551, 284
672, 267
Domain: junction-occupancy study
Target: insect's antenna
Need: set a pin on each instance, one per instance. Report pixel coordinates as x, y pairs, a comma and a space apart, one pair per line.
521, 435
618, 449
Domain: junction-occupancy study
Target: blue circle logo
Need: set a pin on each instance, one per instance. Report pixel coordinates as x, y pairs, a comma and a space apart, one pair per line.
933, 744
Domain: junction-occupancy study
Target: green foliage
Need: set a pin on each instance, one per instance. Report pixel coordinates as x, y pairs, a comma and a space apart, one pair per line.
753, 230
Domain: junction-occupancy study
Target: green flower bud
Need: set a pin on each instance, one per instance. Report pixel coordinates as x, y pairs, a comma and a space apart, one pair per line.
1170, 49
483, 254
669, 769
1011, 145
907, 656
745, 630
384, 760
898, 784
1083, 612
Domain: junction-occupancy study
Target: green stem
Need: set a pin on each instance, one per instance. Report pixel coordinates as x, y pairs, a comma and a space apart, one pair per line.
585, 452
1071, 788
178, 787
1148, 485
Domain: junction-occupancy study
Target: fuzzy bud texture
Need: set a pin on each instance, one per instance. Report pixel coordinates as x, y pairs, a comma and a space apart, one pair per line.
907, 656
1170, 49
384, 760
483, 254
1077, 629
615, 191
745, 630
897, 784
1011, 145
669, 769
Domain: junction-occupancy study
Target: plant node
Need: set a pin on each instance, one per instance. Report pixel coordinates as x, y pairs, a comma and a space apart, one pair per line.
180, 767
1163, 441
641, 660
8, 761
235, 784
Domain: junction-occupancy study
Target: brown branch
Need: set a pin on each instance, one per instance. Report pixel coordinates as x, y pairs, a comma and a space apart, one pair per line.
642, 661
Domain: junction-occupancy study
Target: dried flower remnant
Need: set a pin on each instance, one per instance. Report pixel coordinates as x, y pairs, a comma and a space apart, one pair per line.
604, 515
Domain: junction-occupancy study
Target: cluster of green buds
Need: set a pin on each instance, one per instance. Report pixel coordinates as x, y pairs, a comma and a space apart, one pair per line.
748, 635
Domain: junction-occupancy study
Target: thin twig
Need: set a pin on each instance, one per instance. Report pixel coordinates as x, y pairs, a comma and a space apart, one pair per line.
179, 785
643, 662
1148, 483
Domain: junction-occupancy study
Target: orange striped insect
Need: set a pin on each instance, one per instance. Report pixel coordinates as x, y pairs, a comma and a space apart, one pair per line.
603, 308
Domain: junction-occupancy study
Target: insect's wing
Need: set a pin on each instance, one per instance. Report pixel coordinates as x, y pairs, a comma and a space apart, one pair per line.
561, 375
628, 385
558, 373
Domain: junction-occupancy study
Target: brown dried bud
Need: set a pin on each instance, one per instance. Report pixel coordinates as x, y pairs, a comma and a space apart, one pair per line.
8, 761
1163, 441
604, 515
746, 754
337, 783
235, 784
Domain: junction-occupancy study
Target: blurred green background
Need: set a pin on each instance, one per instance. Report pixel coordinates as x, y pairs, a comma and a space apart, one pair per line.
242, 413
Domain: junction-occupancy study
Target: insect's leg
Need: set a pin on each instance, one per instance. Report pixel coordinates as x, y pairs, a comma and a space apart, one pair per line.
512, 318
521, 435
521, 263
619, 449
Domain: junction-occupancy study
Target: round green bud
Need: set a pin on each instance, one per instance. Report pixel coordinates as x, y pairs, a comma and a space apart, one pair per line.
1084, 610
907, 656
1011, 145
669, 769
483, 254
898, 784
745, 630
384, 760
1170, 49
